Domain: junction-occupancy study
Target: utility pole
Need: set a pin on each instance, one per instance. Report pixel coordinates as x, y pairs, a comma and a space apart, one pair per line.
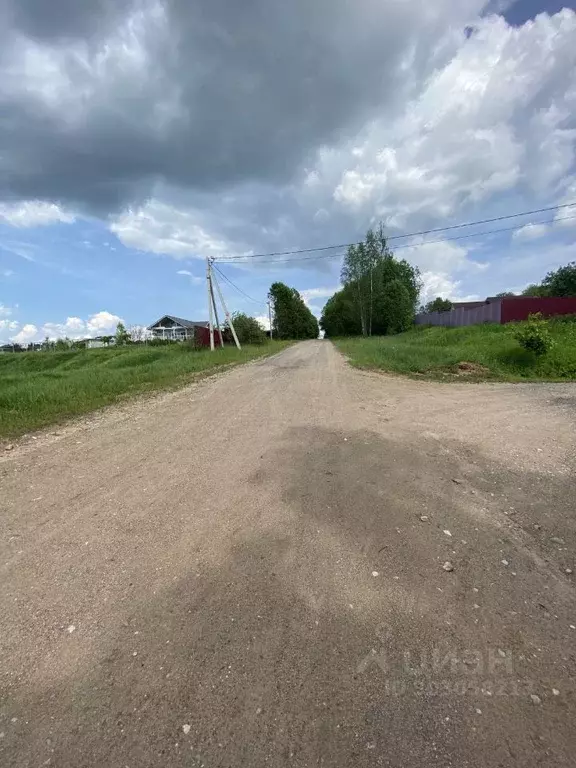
228, 318
270, 317
210, 309
215, 308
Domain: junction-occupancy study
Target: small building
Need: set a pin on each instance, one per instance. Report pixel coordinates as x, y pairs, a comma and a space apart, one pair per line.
171, 328
96, 343
499, 309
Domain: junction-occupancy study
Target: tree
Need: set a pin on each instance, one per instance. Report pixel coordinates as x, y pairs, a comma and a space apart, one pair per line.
47, 345
368, 269
248, 329
505, 294
438, 305
62, 345
106, 339
138, 333
339, 316
561, 282
292, 318
359, 271
121, 336
396, 306
534, 290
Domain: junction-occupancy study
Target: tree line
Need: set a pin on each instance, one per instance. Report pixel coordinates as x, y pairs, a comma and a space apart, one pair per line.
558, 282
292, 319
379, 293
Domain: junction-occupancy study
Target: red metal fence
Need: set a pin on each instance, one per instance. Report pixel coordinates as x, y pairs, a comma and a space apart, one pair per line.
501, 310
202, 336
519, 307
486, 313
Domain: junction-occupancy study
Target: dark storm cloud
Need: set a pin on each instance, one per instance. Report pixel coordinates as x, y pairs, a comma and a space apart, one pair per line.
60, 19
196, 94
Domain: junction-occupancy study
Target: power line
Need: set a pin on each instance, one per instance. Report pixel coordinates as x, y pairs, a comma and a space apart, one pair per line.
408, 234
399, 247
235, 286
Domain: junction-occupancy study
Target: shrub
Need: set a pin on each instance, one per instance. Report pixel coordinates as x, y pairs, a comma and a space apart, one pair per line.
248, 329
564, 319
534, 335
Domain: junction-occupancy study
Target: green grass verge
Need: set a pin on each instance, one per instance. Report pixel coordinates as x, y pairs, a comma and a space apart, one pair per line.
42, 388
436, 352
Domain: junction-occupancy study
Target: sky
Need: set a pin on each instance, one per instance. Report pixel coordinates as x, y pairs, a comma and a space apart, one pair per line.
138, 137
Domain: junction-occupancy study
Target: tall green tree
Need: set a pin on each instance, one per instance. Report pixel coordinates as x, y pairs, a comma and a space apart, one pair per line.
359, 272
368, 269
121, 336
394, 288
292, 318
339, 316
534, 290
438, 305
396, 307
561, 282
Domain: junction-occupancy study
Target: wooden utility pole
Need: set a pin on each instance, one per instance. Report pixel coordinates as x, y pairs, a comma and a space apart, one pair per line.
210, 308
227, 314
220, 330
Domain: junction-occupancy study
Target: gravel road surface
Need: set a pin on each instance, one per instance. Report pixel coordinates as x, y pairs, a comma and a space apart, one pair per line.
294, 564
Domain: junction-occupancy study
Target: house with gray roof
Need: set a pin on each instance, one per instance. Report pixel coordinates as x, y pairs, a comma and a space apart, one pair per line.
174, 328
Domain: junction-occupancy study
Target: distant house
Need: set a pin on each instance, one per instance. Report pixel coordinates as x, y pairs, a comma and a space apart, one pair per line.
499, 309
173, 328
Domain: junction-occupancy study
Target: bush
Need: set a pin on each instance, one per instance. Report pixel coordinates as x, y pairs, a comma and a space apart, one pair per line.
160, 342
564, 319
248, 329
534, 335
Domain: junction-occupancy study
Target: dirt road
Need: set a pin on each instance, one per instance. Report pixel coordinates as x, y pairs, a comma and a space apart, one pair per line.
249, 572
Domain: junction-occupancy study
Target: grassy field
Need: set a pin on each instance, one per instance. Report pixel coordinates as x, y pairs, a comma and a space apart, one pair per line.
42, 388
493, 350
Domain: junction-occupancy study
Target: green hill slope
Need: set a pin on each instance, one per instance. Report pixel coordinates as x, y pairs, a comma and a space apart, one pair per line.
491, 351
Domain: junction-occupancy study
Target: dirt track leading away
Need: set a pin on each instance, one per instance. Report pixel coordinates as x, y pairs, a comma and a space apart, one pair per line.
249, 572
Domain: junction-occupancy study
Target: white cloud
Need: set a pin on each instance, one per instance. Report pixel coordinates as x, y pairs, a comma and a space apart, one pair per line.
193, 278
436, 256
491, 120
531, 232
73, 328
441, 284
264, 321
566, 220
28, 333
74, 324
5, 311
34, 213
101, 322
7, 272
318, 293
164, 229
566, 217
